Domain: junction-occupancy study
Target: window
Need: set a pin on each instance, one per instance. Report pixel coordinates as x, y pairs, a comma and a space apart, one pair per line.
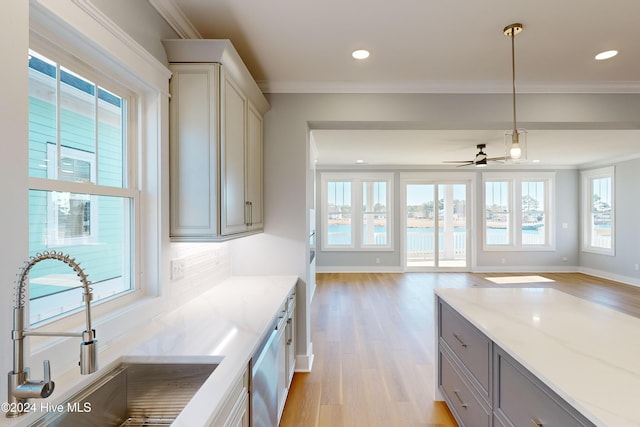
81, 194
518, 210
598, 211
356, 211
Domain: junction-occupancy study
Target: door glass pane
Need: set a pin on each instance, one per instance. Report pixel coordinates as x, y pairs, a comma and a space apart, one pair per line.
339, 227
420, 232
452, 225
497, 213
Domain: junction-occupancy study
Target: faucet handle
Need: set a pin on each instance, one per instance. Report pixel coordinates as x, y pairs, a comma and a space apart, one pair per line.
49, 385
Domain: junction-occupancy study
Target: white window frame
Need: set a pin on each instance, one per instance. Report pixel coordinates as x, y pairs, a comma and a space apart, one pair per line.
90, 188
515, 180
86, 33
587, 197
356, 179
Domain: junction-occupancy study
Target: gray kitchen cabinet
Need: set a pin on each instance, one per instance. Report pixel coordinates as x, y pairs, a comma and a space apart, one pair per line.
216, 143
470, 345
464, 402
484, 386
522, 399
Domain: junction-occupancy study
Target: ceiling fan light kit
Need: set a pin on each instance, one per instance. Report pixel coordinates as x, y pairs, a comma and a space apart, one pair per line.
515, 141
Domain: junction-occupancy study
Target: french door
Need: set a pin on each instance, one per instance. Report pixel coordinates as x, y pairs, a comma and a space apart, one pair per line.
436, 225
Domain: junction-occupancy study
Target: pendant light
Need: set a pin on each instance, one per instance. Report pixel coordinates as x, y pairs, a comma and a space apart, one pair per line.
515, 141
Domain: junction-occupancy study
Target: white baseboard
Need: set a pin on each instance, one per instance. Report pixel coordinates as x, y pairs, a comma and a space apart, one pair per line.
356, 269
304, 363
526, 269
634, 281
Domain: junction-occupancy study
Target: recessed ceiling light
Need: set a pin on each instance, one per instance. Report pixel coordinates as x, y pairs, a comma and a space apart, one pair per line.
606, 55
360, 54
359, 162
536, 161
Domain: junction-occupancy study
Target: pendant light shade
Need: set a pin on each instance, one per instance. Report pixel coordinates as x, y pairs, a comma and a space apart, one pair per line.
515, 140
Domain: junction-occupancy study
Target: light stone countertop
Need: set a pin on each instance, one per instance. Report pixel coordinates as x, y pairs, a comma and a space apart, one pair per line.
225, 324
589, 354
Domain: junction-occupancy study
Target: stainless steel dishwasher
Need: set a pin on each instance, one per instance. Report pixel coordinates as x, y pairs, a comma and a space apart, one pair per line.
264, 381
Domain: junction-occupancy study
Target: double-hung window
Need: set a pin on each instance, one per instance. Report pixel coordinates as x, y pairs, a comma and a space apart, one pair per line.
357, 211
82, 191
598, 211
518, 212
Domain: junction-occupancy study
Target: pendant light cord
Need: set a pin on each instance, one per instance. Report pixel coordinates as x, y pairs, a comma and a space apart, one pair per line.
513, 80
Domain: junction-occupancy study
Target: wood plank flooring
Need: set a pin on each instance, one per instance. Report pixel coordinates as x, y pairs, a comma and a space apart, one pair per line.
374, 345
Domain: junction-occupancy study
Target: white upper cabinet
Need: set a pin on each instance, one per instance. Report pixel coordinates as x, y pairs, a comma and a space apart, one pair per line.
216, 143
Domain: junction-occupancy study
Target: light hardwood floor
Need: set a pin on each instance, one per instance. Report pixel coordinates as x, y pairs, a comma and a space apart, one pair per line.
374, 345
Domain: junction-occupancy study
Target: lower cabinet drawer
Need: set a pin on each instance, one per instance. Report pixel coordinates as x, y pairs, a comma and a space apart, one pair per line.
522, 400
468, 343
463, 403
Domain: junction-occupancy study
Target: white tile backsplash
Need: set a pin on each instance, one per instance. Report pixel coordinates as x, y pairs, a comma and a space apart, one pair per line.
205, 266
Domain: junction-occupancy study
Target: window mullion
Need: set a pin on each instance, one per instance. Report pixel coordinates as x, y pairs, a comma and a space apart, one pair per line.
356, 220
58, 132
516, 214
96, 106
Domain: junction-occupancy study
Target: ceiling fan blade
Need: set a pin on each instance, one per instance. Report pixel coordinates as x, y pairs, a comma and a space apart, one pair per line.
466, 164
458, 161
496, 158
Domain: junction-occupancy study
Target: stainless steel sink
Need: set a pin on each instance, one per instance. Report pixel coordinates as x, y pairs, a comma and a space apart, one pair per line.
132, 394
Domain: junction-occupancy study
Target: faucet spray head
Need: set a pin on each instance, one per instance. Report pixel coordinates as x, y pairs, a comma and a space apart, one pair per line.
88, 353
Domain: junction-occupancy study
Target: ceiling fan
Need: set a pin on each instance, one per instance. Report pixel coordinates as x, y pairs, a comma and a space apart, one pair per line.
480, 160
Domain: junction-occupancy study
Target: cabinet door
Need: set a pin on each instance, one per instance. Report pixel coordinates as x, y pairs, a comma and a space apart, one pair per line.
194, 149
283, 385
240, 415
254, 170
291, 344
232, 152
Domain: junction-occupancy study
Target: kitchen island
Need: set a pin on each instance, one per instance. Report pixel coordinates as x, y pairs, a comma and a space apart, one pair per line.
579, 355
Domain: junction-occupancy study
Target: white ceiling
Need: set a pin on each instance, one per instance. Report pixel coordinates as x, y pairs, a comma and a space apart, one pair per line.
427, 46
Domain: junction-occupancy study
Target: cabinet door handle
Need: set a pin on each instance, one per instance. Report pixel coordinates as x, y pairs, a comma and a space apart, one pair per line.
289, 331
536, 423
457, 337
464, 405
248, 213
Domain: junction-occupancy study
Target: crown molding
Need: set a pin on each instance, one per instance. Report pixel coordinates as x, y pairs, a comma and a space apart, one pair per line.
176, 18
450, 87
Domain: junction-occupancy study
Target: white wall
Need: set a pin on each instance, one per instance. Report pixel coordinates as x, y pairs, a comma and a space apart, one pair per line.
621, 267
141, 21
13, 166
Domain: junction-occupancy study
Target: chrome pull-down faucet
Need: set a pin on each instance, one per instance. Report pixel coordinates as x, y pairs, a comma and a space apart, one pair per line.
21, 387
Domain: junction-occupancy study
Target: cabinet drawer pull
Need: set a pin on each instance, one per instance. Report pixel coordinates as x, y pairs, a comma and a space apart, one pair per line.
462, 343
464, 405
248, 213
289, 331
536, 423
